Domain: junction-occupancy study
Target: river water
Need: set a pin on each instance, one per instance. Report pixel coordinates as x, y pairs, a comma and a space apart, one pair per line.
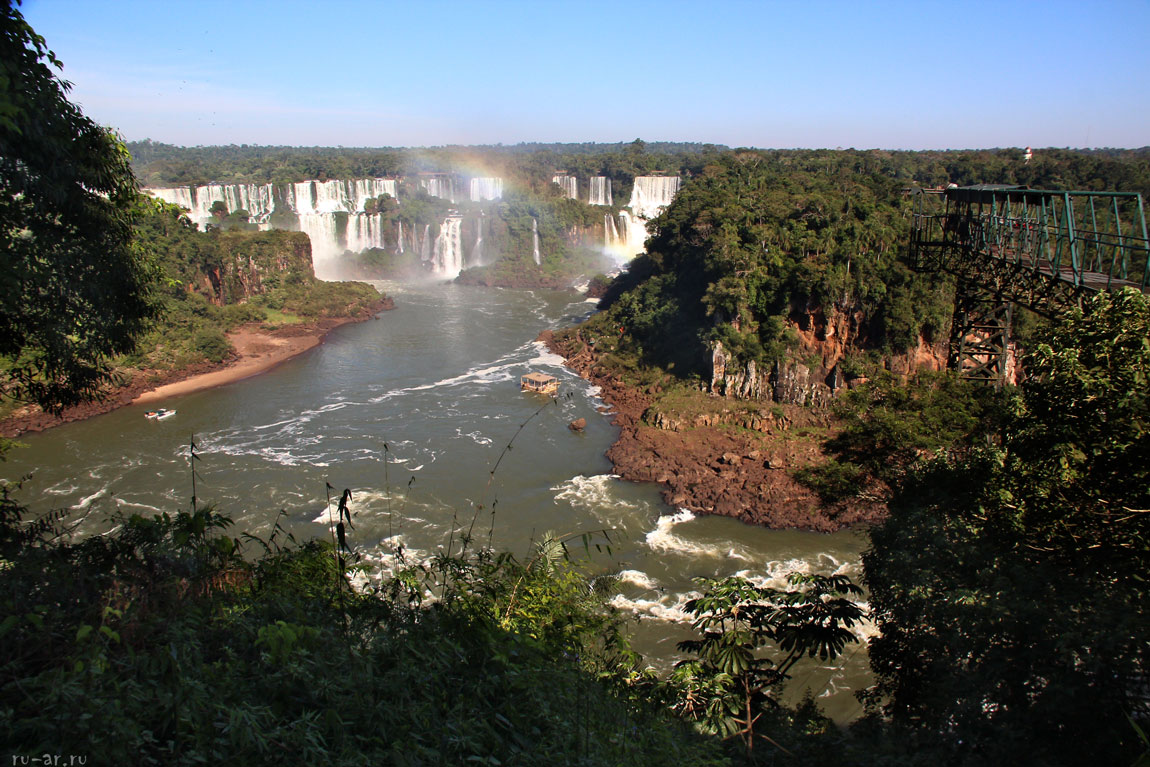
412, 412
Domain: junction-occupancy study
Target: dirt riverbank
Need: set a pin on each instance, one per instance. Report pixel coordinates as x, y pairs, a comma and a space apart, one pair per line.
256, 350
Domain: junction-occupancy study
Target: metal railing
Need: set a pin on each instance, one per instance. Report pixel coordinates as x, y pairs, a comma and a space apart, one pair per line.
1093, 240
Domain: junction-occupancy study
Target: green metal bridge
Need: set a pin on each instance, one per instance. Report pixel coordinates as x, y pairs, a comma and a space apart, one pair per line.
1040, 248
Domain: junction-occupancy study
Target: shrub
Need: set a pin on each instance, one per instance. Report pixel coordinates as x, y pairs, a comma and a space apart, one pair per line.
212, 345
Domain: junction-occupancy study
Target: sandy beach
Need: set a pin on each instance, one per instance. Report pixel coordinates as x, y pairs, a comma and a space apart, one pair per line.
256, 352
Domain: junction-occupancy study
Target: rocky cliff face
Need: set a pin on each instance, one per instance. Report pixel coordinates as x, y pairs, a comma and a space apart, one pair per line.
248, 261
825, 340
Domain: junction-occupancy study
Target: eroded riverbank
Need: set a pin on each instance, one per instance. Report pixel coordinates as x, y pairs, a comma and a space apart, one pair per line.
734, 464
256, 350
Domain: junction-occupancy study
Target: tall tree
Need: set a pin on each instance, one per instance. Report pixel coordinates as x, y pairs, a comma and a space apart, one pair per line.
1010, 584
74, 290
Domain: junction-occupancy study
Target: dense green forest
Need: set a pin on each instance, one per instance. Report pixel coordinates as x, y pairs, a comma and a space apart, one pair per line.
1008, 583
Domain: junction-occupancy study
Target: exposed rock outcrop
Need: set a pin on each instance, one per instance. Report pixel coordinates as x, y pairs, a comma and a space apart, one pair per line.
824, 343
707, 466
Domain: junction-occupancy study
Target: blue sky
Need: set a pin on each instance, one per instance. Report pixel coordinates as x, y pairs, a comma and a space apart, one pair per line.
898, 75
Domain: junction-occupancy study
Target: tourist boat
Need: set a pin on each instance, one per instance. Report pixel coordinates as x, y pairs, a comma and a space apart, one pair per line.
159, 415
539, 382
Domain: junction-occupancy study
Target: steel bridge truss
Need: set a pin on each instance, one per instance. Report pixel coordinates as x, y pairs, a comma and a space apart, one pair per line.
1036, 247
1039, 248
980, 336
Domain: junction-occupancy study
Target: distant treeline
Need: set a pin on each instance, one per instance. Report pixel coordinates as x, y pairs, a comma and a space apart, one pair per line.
158, 164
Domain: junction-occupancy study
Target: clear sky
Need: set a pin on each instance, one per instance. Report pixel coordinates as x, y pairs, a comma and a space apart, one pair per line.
900, 75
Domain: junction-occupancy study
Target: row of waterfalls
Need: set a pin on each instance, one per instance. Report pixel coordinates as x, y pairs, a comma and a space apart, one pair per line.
334, 214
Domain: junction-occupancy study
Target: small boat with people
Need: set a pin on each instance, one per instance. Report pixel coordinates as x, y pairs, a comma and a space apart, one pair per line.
159, 415
540, 383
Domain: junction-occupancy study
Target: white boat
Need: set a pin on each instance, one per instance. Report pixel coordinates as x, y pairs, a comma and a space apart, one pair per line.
159, 415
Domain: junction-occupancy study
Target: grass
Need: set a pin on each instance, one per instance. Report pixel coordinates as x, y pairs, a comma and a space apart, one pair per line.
274, 318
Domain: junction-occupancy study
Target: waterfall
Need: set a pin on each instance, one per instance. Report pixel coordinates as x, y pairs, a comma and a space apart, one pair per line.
486, 189
365, 189
441, 187
365, 231
653, 193
610, 233
326, 243
633, 231
448, 257
600, 191
257, 199
399, 248
180, 195
477, 251
425, 246
627, 239
569, 185
649, 196
337, 196
535, 237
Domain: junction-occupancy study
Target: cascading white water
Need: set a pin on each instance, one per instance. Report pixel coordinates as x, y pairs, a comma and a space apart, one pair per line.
365, 231
569, 185
399, 248
535, 237
365, 189
447, 260
315, 204
610, 232
600, 191
649, 197
257, 199
624, 240
486, 189
441, 187
653, 193
180, 195
425, 246
322, 230
632, 233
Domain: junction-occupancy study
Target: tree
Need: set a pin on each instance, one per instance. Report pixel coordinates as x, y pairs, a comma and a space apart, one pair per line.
74, 289
1009, 583
728, 685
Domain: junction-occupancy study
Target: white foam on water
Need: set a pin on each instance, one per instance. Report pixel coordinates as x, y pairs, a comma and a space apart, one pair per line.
774, 575
595, 494
329, 516
663, 539
668, 607
545, 356
86, 501
474, 436
637, 578
60, 489
122, 503
493, 372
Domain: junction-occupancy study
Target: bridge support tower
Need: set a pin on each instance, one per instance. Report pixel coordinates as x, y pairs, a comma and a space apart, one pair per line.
980, 341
